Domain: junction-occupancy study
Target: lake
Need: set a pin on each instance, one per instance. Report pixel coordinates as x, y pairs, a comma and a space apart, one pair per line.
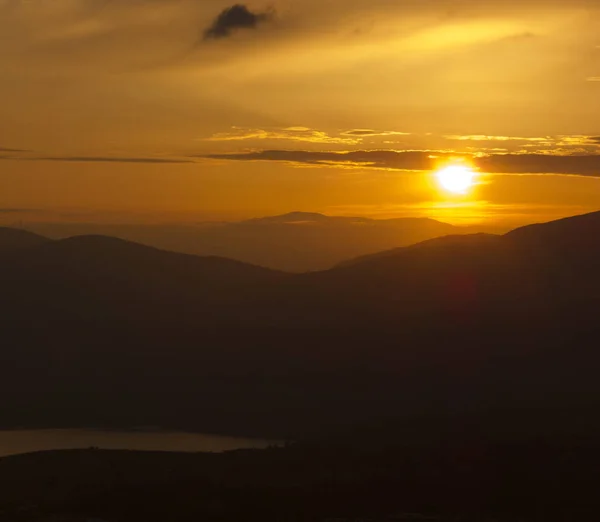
26, 441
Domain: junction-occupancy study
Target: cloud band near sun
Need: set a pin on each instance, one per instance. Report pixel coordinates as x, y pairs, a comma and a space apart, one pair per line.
574, 165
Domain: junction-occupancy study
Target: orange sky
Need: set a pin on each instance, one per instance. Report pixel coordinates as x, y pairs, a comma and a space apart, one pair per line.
159, 110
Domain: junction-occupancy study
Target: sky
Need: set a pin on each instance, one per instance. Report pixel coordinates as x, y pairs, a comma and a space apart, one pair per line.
167, 110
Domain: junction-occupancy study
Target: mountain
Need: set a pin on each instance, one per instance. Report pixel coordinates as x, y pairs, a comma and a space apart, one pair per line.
448, 241
293, 242
12, 239
100, 331
299, 217
579, 233
91, 275
553, 257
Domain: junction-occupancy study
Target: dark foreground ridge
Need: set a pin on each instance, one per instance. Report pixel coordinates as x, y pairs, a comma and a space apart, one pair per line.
100, 331
458, 480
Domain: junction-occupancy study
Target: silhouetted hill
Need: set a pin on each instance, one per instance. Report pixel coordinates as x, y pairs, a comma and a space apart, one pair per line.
103, 276
295, 242
295, 217
98, 331
12, 239
528, 269
578, 232
466, 480
444, 242
108, 254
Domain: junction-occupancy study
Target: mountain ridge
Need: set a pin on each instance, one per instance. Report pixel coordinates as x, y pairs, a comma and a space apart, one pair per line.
547, 230
15, 239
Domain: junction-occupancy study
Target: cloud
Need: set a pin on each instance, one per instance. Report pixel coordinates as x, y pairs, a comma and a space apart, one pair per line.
580, 165
3, 149
401, 160
300, 134
534, 163
233, 18
483, 137
361, 132
366, 133
558, 145
107, 159
576, 141
16, 210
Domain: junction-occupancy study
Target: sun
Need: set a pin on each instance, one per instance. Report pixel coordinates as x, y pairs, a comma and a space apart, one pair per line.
457, 179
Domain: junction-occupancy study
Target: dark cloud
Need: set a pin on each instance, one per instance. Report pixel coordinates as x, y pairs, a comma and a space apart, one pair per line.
581, 165
233, 18
403, 160
108, 159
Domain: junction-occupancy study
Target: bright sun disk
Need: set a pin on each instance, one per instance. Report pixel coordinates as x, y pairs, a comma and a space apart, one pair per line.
457, 179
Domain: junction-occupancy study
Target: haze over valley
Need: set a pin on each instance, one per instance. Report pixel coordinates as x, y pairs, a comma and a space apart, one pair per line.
294, 242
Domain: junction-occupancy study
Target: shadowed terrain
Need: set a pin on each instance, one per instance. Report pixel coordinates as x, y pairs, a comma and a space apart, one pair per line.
466, 479
451, 380
99, 331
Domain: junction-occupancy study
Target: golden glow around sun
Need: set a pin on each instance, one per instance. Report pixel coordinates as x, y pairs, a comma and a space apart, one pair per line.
457, 179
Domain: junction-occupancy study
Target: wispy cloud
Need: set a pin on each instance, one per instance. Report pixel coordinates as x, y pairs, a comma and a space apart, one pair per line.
483, 137
367, 133
300, 134
4, 149
561, 139
16, 210
577, 140
107, 159
559, 145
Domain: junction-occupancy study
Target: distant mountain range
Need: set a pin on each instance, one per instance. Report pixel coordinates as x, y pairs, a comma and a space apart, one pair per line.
294, 242
101, 331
